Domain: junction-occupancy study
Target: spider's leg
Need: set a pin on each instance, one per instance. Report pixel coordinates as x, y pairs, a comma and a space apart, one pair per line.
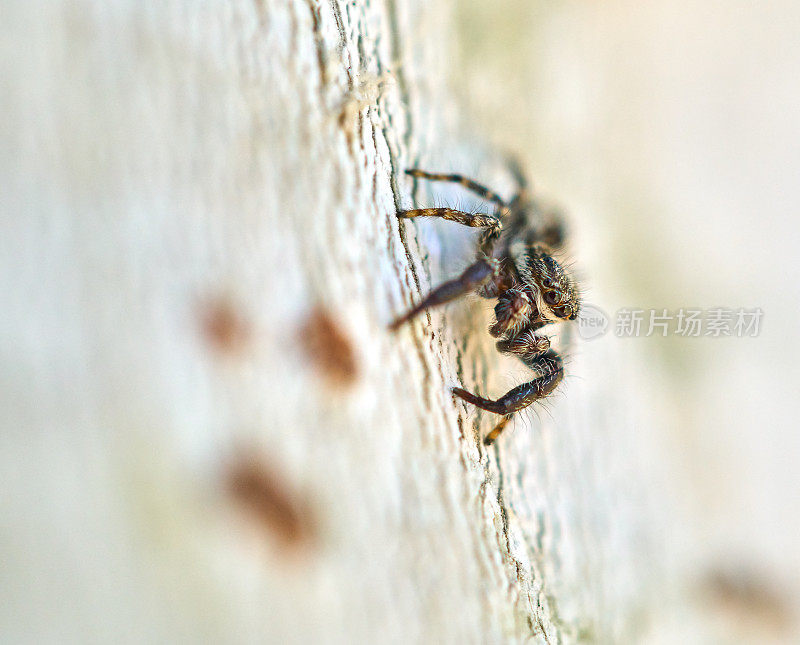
491, 223
514, 166
551, 371
479, 189
520, 397
475, 220
488, 440
475, 276
552, 232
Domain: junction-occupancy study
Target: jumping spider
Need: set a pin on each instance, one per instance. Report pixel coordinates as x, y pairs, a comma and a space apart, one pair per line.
514, 264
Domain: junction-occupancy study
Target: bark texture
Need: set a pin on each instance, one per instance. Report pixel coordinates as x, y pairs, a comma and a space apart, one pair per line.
209, 434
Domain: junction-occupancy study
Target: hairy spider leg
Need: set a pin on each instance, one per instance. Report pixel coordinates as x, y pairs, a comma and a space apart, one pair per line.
474, 277
523, 186
488, 440
475, 220
479, 189
492, 224
551, 371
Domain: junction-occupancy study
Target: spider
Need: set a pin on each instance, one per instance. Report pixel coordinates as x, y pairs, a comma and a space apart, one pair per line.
515, 264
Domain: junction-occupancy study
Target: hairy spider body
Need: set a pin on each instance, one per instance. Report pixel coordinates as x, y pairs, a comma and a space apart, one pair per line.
516, 264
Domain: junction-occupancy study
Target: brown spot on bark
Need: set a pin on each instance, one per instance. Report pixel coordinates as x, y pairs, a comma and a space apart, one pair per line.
267, 499
223, 327
327, 346
749, 598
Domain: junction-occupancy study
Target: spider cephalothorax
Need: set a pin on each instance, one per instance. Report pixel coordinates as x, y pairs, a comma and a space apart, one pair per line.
516, 264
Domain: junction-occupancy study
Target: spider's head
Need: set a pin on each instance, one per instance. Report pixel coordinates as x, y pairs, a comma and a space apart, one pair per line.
556, 286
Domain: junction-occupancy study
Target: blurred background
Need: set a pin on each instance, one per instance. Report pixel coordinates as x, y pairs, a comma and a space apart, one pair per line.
149, 157
672, 131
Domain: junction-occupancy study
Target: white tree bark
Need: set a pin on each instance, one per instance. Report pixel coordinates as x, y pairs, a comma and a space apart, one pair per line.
208, 432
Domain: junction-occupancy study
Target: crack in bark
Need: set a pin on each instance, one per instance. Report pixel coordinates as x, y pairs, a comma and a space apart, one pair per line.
319, 42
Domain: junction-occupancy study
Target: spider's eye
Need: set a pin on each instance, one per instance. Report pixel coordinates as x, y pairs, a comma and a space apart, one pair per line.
552, 297
564, 312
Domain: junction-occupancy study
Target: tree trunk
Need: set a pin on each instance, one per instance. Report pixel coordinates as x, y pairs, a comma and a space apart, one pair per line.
210, 434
